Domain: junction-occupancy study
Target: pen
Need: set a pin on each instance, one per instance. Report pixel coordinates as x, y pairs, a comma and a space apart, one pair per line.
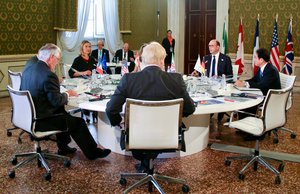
89, 93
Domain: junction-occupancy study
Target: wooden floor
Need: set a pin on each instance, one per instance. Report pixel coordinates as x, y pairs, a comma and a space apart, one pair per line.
204, 172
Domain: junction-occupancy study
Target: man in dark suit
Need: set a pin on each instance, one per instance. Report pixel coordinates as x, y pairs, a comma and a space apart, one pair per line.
152, 83
266, 78
44, 88
124, 54
99, 53
216, 64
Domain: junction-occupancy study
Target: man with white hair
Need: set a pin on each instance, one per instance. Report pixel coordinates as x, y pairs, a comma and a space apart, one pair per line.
43, 85
152, 83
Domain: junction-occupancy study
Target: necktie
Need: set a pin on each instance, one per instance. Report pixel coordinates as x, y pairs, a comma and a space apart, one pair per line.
213, 66
124, 55
260, 74
100, 55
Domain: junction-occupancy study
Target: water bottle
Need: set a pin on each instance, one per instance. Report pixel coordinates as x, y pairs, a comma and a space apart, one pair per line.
223, 83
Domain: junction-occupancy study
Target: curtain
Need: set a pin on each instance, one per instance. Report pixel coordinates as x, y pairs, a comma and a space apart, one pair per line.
112, 34
65, 15
70, 41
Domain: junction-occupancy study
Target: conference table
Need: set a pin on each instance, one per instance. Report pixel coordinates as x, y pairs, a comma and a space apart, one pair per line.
210, 100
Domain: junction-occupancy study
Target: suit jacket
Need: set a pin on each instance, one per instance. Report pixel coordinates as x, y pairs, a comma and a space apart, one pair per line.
44, 89
149, 84
269, 80
169, 51
30, 62
120, 55
224, 64
104, 51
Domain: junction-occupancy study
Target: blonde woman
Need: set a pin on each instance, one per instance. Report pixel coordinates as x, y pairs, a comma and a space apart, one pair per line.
84, 63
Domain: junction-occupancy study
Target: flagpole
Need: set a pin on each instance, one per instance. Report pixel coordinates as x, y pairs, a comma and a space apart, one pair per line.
157, 13
276, 17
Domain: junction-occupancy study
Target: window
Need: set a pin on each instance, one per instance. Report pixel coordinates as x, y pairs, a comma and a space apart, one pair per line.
94, 27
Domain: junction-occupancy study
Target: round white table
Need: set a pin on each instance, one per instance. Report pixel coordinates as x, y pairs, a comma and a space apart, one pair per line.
197, 132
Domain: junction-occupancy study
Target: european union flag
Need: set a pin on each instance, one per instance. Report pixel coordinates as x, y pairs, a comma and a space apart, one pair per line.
104, 66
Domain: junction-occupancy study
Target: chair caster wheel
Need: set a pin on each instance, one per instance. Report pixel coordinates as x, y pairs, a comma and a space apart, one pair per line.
227, 162
281, 167
293, 136
185, 188
275, 140
47, 176
67, 163
8, 133
241, 176
11, 174
14, 161
277, 180
123, 181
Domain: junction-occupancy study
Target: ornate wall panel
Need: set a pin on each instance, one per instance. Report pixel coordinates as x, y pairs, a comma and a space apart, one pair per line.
25, 26
267, 9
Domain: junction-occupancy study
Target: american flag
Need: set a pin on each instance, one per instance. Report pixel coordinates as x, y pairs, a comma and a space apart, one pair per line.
289, 52
124, 68
274, 58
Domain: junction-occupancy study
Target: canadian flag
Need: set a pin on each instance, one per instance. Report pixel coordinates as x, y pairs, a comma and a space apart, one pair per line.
240, 50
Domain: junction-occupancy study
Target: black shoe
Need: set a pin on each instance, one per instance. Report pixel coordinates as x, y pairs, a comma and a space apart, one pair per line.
66, 150
100, 154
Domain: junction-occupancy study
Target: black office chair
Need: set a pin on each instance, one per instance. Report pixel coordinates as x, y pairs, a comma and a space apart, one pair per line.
153, 126
24, 117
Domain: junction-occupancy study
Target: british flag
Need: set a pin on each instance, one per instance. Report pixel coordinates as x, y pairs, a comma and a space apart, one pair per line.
289, 52
274, 58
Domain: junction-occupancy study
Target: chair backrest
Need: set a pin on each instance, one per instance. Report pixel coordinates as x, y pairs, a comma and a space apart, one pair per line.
274, 108
286, 82
15, 78
153, 125
66, 68
23, 111
235, 71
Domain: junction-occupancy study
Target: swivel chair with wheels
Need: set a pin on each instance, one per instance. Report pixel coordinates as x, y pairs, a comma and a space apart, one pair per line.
273, 115
24, 117
152, 126
286, 81
15, 78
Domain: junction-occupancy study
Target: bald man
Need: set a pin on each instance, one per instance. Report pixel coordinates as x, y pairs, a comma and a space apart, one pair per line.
216, 64
125, 53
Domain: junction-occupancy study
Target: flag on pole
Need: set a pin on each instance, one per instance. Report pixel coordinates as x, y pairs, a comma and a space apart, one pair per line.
274, 54
289, 52
224, 48
99, 68
200, 67
103, 63
256, 46
240, 49
173, 66
124, 68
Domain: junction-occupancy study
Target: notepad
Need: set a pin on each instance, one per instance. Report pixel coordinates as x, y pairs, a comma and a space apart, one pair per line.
209, 102
246, 89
